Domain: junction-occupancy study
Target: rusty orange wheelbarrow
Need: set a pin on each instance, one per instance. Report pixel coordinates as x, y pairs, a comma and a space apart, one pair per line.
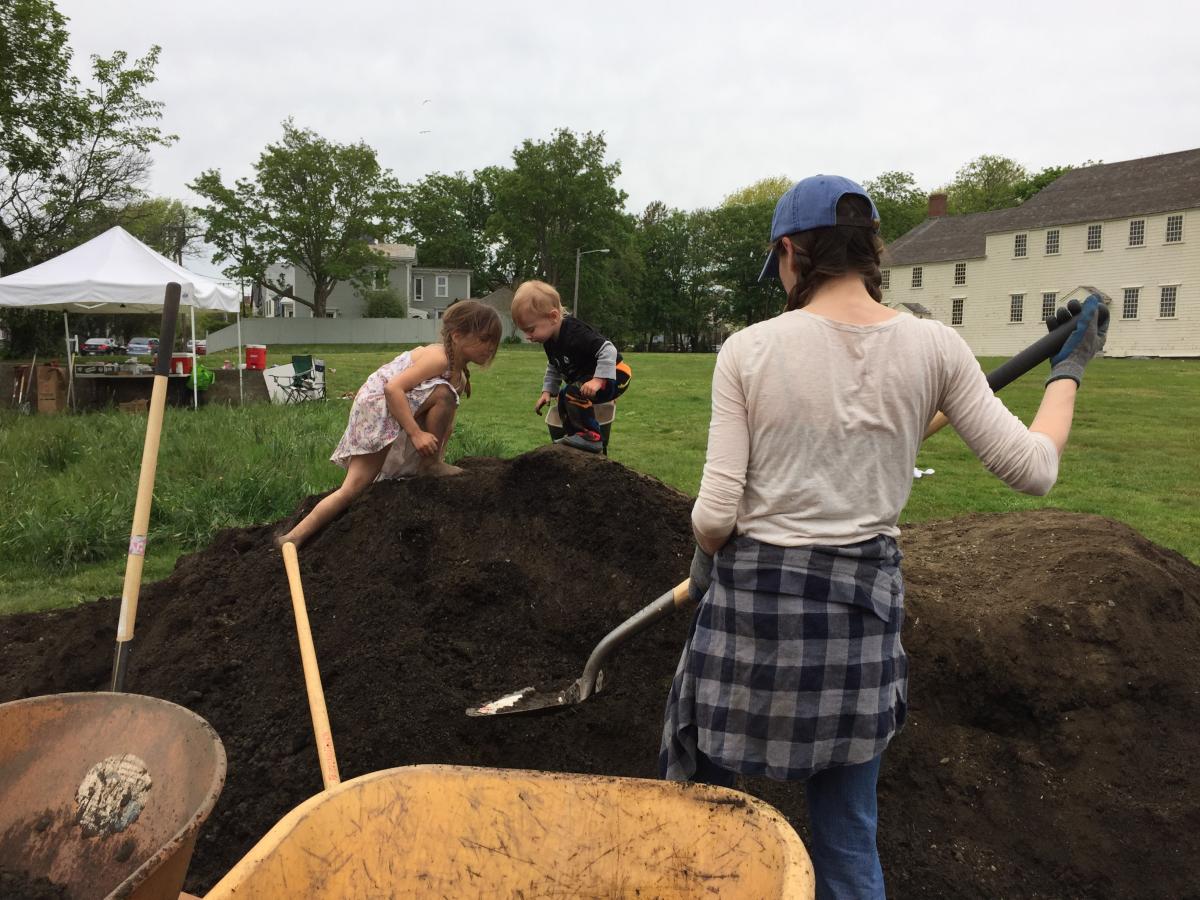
103, 794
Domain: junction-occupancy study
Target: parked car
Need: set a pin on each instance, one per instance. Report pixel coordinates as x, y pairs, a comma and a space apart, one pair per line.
201, 347
100, 347
142, 346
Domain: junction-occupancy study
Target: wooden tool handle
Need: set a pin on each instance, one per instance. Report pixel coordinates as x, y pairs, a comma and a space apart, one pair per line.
312, 675
145, 495
679, 594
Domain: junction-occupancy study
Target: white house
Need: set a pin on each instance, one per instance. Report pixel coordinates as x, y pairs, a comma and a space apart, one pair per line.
1130, 229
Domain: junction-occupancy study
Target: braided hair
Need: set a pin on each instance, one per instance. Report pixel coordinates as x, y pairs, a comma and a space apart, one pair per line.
822, 254
473, 319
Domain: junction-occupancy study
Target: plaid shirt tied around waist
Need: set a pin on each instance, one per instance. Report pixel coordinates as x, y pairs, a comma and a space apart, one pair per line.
793, 663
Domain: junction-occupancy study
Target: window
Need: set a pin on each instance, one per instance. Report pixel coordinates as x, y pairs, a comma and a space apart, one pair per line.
1016, 307
1049, 299
960, 273
1130, 304
1052, 242
418, 289
289, 309
379, 279
916, 276
1174, 229
442, 286
1020, 244
956, 310
1093, 237
1137, 232
331, 312
887, 279
1166, 301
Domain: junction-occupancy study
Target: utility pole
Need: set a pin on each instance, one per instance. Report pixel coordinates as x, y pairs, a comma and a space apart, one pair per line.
579, 252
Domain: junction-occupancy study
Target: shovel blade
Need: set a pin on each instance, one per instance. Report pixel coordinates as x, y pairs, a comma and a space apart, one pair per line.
528, 700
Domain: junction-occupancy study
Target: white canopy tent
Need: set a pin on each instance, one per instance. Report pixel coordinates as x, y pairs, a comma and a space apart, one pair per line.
115, 273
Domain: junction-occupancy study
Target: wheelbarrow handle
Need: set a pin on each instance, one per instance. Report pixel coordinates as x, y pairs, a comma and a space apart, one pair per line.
676, 598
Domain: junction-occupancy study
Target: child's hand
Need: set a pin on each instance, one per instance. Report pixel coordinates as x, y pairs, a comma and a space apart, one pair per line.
541, 402
425, 443
590, 388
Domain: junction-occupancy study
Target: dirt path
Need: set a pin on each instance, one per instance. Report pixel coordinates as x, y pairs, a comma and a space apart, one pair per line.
1055, 700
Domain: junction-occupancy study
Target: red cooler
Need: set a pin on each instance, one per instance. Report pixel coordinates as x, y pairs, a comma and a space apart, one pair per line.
256, 356
181, 364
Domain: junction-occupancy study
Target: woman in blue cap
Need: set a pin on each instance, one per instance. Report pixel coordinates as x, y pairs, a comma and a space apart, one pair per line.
794, 668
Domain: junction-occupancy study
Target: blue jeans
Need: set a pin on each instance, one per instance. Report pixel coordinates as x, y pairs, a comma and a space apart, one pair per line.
843, 814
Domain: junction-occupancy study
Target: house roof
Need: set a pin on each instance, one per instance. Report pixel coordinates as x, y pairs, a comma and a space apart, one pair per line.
396, 251
1135, 187
946, 238
499, 300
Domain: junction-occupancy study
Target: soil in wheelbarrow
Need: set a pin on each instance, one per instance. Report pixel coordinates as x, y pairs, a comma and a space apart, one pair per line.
1055, 699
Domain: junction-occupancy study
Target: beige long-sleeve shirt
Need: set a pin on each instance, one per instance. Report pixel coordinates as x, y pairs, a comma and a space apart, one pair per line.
816, 425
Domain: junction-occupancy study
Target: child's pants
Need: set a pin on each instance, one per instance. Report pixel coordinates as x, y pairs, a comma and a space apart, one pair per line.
576, 410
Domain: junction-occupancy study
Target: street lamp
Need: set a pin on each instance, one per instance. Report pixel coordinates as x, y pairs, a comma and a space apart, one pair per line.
578, 254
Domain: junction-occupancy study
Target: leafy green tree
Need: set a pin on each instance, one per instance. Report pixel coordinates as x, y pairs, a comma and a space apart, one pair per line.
765, 189
901, 204
559, 196
735, 241
445, 217
313, 203
169, 226
1023, 190
985, 183
40, 111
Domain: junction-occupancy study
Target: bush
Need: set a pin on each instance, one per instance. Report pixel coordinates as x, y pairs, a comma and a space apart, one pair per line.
384, 303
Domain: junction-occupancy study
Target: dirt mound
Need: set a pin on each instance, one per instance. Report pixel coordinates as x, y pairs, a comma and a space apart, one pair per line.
1050, 747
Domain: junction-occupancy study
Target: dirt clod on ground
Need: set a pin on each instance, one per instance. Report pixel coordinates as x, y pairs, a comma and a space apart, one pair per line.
1055, 701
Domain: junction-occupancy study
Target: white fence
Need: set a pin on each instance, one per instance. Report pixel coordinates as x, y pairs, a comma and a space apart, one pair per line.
331, 331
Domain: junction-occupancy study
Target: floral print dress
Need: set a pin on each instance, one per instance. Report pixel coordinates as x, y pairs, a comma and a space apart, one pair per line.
371, 426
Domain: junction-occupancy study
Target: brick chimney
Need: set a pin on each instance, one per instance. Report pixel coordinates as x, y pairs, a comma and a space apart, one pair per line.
937, 205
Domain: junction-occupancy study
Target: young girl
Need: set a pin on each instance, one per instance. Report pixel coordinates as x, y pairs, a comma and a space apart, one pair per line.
403, 415
794, 668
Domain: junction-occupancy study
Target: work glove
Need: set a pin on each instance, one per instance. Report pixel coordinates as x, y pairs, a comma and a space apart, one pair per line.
700, 575
1085, 341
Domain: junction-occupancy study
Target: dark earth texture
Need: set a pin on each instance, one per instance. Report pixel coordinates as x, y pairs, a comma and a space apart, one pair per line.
1051, 747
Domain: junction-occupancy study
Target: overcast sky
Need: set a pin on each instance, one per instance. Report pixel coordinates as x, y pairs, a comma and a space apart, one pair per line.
696, 99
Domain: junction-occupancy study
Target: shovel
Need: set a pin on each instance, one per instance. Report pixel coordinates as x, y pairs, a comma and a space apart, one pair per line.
529, 699
592, 680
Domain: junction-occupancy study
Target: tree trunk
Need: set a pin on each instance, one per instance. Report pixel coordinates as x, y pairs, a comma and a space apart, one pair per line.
321, 293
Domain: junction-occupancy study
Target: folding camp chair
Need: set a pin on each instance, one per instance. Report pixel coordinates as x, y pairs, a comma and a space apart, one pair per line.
304, 383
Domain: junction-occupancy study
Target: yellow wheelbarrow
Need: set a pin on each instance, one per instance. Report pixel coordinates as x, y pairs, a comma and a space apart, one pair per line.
103, 794
451, 831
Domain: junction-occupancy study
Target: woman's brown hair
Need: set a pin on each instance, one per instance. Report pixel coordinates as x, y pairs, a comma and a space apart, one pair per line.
822, 254
470, 318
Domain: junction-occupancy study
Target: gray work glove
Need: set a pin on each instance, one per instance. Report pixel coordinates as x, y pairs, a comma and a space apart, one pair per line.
1085, 341
700, 574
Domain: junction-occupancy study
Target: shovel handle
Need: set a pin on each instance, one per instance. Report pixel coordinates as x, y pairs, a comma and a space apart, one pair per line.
312, 675
676, 598
1025, 361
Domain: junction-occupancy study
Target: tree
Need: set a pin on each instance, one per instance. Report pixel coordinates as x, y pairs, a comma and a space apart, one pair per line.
735, 242
901, 204
1023, 190
168, 226
39, 107
313, 203
445, 216
765, 189
560, 196
985, 183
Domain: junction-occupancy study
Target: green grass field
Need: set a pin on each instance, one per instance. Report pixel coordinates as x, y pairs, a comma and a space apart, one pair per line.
67, 484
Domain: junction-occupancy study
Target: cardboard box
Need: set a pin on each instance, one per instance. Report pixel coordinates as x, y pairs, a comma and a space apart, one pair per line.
51, 389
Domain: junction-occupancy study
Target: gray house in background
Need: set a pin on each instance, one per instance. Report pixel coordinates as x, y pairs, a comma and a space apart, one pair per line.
426, 290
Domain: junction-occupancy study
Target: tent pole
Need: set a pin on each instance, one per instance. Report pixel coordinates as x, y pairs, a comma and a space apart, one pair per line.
195, 374
241, 395
70, 364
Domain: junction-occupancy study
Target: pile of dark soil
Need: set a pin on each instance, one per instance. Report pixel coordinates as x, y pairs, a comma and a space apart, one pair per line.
1055, 700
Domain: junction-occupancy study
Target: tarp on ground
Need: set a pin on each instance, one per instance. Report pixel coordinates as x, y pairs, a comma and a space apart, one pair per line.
113, 273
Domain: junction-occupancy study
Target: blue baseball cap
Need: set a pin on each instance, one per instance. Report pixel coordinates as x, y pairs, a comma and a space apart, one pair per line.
812, 203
